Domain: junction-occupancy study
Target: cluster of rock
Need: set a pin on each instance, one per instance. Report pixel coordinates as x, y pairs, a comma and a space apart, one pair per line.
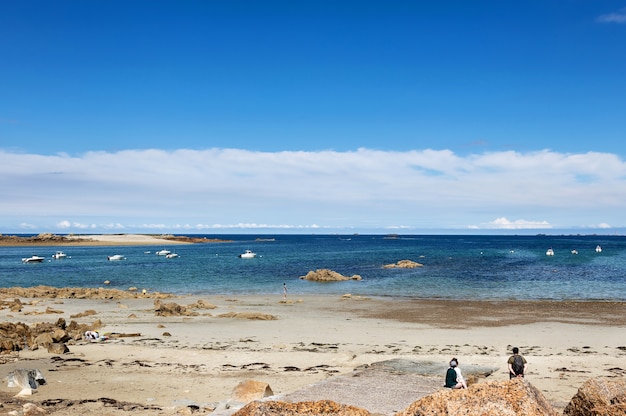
52, 336
403, 264
50, 292
597, 397
40, 239
326, 275
175, 309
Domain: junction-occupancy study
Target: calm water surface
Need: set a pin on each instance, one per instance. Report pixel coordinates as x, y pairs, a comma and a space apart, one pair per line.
455, 267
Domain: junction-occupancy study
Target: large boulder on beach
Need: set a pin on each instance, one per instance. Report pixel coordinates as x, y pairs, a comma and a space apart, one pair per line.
172, 309
326, 275
502, 398
250, 390
599, 397
319, 408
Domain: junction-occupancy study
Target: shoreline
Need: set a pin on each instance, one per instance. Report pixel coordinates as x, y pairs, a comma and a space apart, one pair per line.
199, 358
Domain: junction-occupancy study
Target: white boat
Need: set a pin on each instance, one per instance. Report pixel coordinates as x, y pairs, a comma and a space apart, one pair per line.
33, 259
550, 252
171, 256
115, 257
248, 254
163, 252
598, 249
59, 255
574, 251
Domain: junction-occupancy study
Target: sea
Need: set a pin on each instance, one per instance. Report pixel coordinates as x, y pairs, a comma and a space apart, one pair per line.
461, 267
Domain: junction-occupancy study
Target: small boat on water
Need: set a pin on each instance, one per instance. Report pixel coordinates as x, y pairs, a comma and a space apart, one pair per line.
115, 257
248, 254
550, 252
163, 252
598, 249
171, 256
59, 255
33, 259
574, 251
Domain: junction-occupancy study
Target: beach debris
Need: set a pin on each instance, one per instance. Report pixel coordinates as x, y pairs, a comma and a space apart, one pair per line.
327, 275
320, 408
606, 396
496, 398
403, 264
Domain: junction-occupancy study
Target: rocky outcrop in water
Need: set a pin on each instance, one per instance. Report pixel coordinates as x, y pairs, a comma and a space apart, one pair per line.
326, 275
599, 397
403, 264
503, 398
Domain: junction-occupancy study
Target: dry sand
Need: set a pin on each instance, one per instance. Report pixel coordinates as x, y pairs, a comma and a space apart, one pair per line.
310, 352
199, 360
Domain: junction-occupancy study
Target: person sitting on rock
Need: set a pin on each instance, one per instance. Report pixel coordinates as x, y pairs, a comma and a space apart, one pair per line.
454, 378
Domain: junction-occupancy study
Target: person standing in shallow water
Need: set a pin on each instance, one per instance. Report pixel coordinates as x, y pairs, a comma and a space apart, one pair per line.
454, 378
517, 364
285, 291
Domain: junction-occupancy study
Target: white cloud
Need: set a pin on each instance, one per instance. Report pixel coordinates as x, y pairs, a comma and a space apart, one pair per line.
231, 189
64, 224
615, 17
504, 223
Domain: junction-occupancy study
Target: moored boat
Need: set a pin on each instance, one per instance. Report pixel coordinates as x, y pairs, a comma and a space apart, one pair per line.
115, 257
248, 254
59, 255
171, 256
550, 252
598, 249
33, 259
163, 252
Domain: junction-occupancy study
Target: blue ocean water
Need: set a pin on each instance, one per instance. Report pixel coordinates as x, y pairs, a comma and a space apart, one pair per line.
455, 267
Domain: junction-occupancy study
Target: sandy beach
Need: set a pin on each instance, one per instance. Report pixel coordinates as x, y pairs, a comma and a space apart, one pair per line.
304, 348
172, 362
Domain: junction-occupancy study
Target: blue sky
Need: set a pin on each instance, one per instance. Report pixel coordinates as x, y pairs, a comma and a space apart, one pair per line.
312, 116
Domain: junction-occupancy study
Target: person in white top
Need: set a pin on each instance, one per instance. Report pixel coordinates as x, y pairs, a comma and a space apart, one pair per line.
454, 377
